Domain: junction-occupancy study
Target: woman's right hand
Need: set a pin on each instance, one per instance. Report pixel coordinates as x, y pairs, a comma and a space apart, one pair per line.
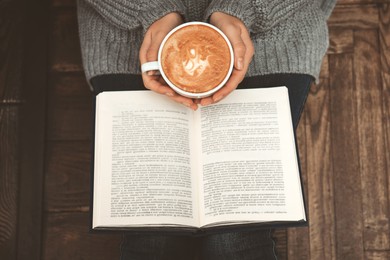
149, 52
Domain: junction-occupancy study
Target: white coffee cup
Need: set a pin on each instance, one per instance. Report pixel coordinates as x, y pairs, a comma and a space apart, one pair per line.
157, 65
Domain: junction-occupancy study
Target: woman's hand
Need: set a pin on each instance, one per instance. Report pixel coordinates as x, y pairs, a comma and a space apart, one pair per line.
243, 49
149, 52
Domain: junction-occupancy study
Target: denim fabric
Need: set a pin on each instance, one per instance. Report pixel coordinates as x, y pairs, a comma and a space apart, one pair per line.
224, 246
157, 247
250, 245
253, 245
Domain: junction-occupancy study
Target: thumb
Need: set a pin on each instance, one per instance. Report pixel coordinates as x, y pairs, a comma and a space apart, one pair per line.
239, 49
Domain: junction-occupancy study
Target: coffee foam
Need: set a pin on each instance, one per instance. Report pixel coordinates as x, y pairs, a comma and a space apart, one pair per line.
196, 58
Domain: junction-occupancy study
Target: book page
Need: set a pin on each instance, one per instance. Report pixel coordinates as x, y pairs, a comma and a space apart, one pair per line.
142, 161
250, 170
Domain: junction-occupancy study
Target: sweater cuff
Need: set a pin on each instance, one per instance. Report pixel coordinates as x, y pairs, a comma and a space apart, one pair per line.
158, 9
327, 7
243, 10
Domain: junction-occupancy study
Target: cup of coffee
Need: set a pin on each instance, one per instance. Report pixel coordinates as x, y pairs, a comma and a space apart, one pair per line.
195, 59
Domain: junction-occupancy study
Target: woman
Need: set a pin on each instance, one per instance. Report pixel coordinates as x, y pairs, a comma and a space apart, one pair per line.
274, 42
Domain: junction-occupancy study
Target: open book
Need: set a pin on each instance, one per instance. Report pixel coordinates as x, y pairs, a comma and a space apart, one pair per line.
160, 164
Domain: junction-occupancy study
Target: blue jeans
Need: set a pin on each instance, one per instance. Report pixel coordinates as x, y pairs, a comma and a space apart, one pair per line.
224, 246
256, 244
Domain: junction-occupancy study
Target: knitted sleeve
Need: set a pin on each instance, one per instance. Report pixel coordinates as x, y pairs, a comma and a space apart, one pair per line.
327, 6
130, 14
258, 15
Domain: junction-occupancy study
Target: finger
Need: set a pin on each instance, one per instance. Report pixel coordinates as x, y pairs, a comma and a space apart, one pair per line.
235, 79
239, 47
250, 50
206, 101
188, 102
153, 83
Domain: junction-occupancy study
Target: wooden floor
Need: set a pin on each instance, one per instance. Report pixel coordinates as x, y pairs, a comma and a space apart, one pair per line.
46, 134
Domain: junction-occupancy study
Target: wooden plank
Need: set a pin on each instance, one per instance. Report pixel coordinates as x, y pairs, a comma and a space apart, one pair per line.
361, 2
384, 26
10, 52
62, 3
65, 54
32, 130
354, 16
384, 43
345, 157
320, 175
67, 237
340, 40
280, 238
9, 168
298, 243
324, 73
70, 110
377, 255
372, 151
11, 61
67, 176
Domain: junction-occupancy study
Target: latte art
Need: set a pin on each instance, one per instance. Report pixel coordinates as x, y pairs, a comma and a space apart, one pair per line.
194, 63
196, 58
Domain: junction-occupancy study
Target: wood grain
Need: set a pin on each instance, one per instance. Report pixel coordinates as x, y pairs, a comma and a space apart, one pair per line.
345, 157
377, 255
70, 108
298, 244
67, 170
320, 177
67, 237
62, 3
65, 54
11, 62
384, 26
340, 41
361, 2
280, 238
9, 167
372, 151
32, 130
354, 17
10, 52
384, 44
324, 73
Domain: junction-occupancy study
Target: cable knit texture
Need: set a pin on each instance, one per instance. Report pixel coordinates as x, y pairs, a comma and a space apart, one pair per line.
289, 36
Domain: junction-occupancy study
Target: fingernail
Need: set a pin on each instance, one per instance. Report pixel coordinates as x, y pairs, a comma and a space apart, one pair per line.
150, 73
218, 98
186, 104
240, 64
169, 94
207, 102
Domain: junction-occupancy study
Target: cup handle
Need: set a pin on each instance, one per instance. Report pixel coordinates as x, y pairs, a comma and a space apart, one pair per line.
148, 66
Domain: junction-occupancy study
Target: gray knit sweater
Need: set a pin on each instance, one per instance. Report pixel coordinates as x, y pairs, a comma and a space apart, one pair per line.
289, 36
